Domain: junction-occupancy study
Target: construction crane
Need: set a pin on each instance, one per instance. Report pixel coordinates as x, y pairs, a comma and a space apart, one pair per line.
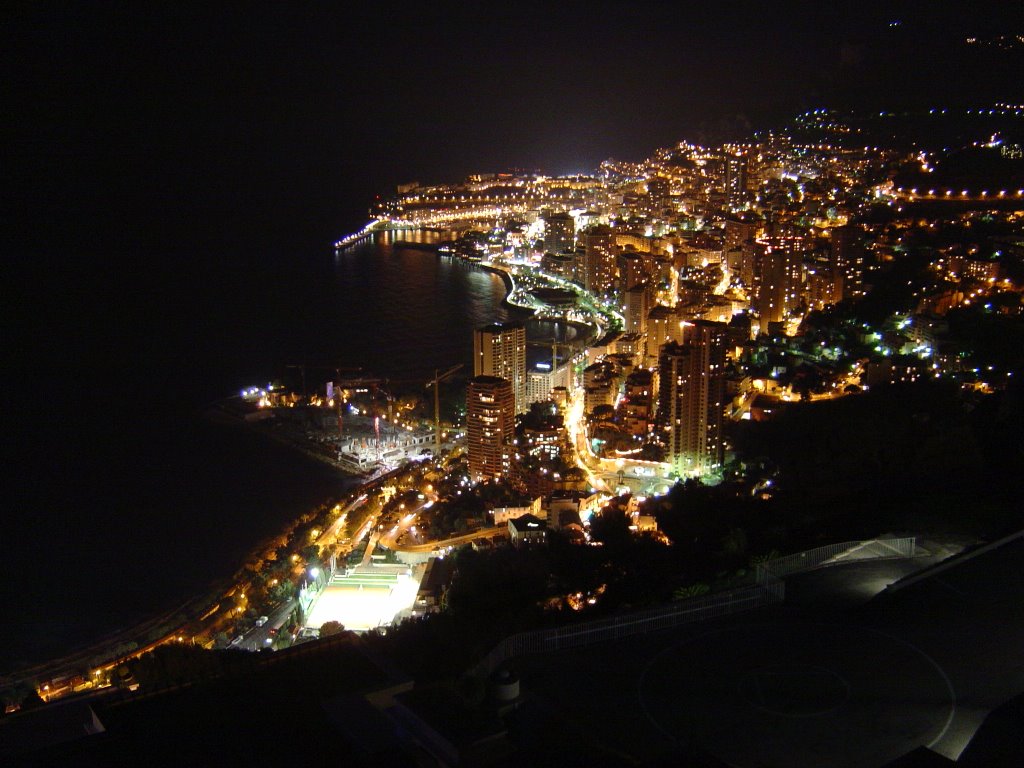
338, 404
435, 382
554, 345
337, 371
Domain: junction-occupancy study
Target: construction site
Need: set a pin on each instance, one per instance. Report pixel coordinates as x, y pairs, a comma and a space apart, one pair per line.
364, 426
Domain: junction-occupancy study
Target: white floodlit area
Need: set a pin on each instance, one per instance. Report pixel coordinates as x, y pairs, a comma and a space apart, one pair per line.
365, 598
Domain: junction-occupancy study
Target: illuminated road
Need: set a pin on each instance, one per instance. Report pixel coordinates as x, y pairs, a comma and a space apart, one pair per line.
390, 538
606, 474
330, 536
454, 541
578, 440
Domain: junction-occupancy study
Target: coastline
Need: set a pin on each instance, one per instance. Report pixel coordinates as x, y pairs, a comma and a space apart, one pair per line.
368, 229
510, 287
158, 626
154, 628
218, 414
139, 628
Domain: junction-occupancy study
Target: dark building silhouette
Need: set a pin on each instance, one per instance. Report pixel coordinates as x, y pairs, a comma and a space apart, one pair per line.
692, 396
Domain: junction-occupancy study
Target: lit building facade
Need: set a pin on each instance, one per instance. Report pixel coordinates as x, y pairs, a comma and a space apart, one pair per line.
499, 350
599, 267
778, 276
542, 381
691, 395
490, 427
663, 326
847, 254
632, 271
636, 304
559, 233
735, 180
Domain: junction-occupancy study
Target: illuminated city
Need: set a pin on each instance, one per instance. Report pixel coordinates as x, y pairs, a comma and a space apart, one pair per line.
703, 458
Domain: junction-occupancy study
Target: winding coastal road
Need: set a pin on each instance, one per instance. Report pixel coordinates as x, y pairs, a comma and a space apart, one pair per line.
391, 539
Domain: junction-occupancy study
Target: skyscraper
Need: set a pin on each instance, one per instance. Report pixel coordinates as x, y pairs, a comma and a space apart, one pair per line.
632, 271
559, 232
636, 304
499, 349
662, 327
735, 180
691, 397
778, 275
547, 377
599, 260
847, 254
490, 425
739, 231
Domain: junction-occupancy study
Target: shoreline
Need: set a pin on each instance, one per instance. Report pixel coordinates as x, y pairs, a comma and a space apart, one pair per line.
217, 414
510, 287
155, 628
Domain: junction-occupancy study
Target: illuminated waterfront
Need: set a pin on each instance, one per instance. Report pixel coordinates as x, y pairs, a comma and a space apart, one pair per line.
200, 495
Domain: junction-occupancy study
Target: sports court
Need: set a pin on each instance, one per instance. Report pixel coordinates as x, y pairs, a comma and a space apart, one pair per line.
366, 597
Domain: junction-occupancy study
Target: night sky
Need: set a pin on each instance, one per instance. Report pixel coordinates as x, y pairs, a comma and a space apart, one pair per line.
133, 124
145, 143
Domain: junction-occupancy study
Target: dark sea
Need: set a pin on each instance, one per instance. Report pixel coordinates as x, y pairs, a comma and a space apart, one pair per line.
123, 500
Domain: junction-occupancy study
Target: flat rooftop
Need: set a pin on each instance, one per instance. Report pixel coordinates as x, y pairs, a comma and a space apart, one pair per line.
366, 597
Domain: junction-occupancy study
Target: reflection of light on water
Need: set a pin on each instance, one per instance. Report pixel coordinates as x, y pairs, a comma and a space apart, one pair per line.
548, 329
388, 304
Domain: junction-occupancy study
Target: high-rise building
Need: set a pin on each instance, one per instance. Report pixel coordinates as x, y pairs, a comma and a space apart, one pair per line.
823, 287
739, 231
499, 349
545, 379
561, 264
637, 402
735, 180
662, 327
691, 397
847, 254
599, 265
490, 427
636, 303
778, 275
559, 232
632, 271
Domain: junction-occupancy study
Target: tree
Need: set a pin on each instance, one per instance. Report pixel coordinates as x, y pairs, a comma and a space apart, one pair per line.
694, 590
31, 700
735, 541
611, 527
311, 554
330, 628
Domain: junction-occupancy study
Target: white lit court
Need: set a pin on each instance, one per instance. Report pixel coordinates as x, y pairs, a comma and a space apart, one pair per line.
366, 597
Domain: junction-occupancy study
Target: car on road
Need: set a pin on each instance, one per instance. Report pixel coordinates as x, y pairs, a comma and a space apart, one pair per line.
261, 621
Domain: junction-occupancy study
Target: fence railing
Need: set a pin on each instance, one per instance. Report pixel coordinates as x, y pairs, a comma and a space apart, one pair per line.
833, 554
638, 622
770, 588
